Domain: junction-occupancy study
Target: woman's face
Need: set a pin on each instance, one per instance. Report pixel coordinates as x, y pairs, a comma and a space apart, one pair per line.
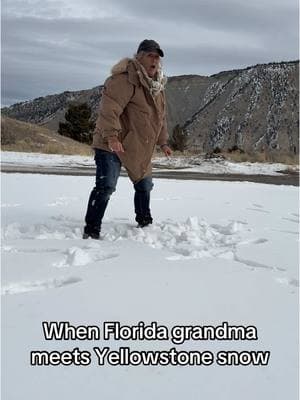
150, 61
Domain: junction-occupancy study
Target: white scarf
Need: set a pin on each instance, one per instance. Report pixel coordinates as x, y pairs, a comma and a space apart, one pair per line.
155, 85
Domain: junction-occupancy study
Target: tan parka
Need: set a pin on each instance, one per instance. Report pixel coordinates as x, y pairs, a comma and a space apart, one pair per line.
128, 110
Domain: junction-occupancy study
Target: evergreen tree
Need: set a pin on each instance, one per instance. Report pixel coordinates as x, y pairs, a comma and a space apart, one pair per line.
78, 125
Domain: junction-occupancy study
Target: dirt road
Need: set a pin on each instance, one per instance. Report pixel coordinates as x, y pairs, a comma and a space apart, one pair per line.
283, 179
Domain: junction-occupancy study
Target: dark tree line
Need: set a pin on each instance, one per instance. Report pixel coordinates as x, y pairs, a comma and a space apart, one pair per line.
80, 127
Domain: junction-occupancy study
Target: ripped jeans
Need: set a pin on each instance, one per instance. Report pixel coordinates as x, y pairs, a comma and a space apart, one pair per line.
108, 167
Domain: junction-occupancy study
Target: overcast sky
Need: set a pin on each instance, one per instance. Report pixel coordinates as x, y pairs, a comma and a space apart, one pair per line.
49, 46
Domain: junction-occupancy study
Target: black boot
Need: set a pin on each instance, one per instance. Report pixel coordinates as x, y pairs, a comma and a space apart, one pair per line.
143, 220
142, 201
91, 232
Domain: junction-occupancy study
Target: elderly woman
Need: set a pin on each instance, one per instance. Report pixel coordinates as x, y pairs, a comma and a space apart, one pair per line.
131, 122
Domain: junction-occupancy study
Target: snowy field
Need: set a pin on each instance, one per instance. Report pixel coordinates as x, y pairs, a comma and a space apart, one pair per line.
217, 251
188, 164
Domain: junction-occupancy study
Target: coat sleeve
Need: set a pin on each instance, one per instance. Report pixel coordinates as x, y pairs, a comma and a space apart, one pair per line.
116, 94
163, 135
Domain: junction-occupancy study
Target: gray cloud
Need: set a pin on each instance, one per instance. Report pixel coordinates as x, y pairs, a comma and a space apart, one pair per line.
233, 15
52, 46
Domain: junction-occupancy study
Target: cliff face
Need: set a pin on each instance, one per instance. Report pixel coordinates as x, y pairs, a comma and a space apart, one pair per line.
255, 109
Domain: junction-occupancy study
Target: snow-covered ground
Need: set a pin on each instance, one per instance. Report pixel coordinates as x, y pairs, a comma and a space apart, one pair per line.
192, 163
217, 251
42, 160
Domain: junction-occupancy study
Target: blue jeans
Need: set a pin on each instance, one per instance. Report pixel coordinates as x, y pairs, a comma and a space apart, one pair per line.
108, 167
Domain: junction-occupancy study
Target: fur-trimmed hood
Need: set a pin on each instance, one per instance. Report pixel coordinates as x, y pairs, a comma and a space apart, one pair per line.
121, 66
137, 74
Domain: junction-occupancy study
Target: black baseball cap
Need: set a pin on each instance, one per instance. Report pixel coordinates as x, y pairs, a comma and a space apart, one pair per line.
150, 45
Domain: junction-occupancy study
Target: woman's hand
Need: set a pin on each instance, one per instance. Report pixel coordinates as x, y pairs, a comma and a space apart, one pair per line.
166, 149
115, 145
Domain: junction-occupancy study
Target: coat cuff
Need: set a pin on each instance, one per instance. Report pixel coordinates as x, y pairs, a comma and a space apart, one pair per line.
109, 134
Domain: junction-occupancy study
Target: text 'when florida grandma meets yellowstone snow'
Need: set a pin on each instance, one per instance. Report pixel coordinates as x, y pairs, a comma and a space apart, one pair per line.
140, 333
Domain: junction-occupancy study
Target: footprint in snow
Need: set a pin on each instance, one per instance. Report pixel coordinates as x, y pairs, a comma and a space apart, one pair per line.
79, 257
45, 231
9, 249
296, 221
253, 241
284, 231
256, 265
257, 205
258, 210
287, 281
30, 250
193, 238
61, 201
24, 287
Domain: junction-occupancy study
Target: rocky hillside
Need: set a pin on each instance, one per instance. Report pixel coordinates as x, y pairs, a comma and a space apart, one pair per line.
254, 109
50, 110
